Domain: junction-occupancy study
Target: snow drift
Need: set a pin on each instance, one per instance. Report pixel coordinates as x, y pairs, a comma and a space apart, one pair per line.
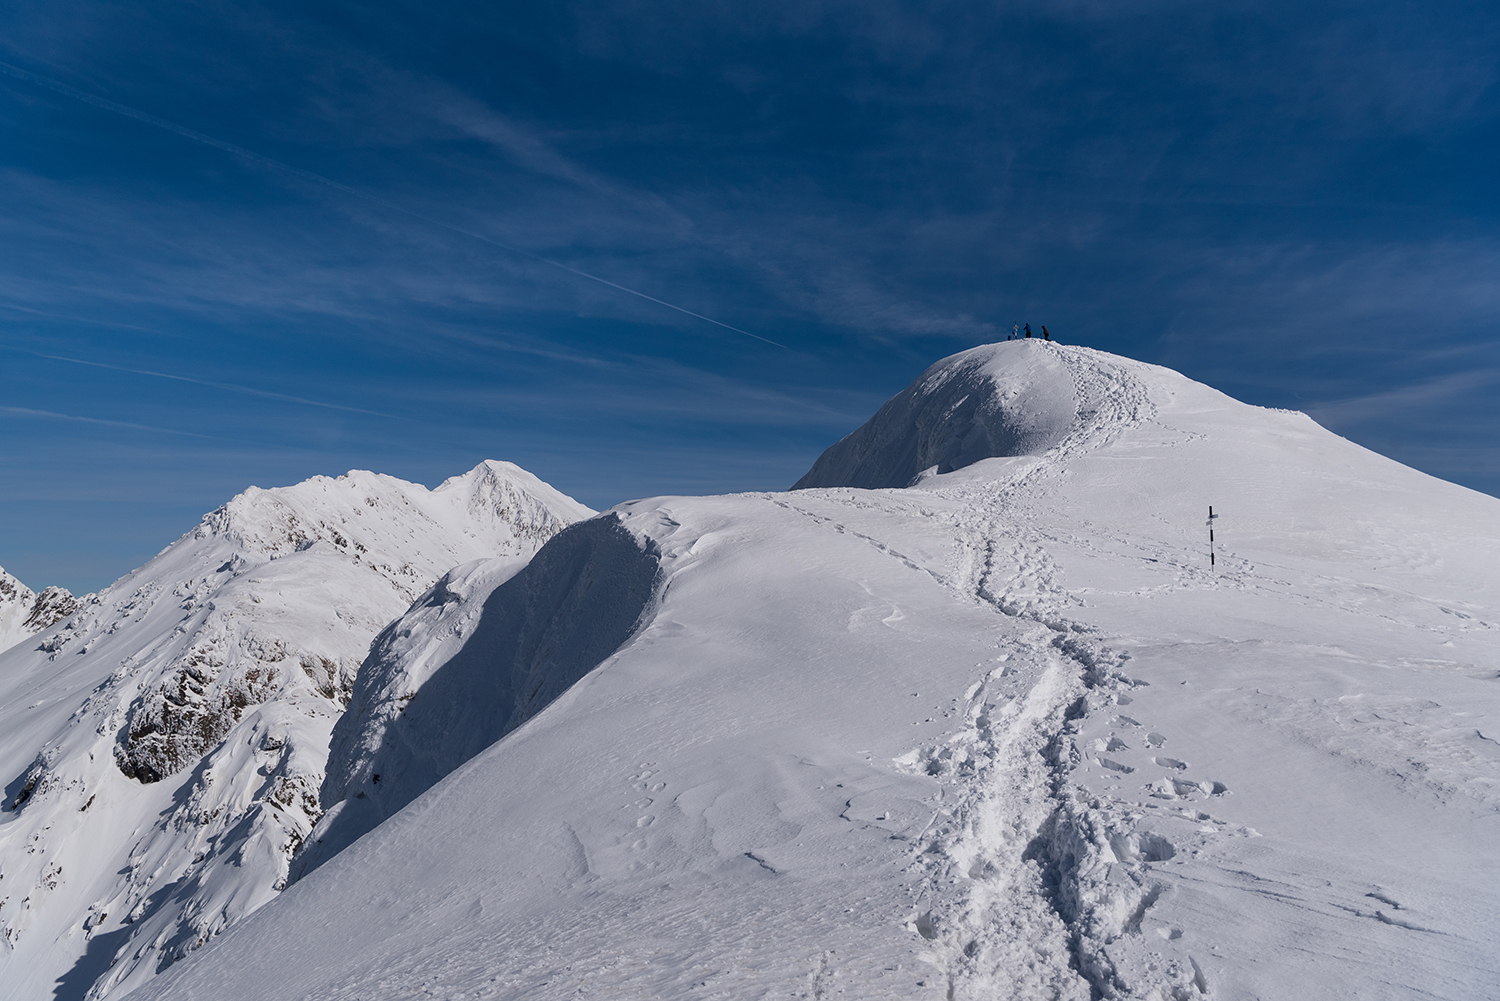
164, 746
423, 704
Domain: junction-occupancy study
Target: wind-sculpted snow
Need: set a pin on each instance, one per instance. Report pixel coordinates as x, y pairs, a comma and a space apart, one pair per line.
974, 405
164, 746
489, 646
1005, 733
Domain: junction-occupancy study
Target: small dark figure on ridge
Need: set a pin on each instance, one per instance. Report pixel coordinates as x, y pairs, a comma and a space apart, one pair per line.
1028, 331
1045, 336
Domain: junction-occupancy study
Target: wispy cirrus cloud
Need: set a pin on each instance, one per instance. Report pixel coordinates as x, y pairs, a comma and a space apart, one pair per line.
27, 412
230, 386
1433, 399
1291, 201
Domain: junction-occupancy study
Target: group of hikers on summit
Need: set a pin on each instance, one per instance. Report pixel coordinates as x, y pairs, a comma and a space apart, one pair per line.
1015, 332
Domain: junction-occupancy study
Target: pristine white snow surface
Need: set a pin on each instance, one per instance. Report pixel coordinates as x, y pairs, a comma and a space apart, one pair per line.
979, 725
163, 747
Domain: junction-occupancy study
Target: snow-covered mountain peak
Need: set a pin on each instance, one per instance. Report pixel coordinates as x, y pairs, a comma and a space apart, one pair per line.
162, 749
16, 602
12, 591
512, 497
1013, 398
498, 504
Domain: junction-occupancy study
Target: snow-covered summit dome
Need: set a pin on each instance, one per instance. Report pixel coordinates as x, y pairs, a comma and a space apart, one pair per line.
1008, 399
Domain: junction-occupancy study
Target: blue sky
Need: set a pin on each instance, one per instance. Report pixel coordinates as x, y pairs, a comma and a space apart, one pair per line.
1294, 202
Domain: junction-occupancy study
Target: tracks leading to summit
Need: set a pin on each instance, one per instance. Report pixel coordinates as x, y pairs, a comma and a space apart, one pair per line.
1021, 890
1028, 880
1029, 876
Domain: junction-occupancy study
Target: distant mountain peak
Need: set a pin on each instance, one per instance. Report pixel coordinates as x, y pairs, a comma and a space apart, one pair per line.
496, 502
514, 497
165, 745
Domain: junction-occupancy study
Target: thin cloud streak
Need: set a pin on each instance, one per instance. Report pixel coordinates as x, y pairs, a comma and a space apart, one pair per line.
220, 385
53, 415
1427, 395
265, 161
1288, 202
88, 321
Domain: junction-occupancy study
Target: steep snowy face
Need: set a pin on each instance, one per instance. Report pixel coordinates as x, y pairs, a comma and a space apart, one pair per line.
24, 613
163, 747
490, 645
1005, 733
1010, 399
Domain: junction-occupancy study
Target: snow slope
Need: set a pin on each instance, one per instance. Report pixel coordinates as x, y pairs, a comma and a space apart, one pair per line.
24, 613
163, 747
487, 648
1002, 733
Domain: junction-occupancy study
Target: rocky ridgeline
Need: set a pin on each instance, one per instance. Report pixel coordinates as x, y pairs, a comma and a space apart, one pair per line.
24, 613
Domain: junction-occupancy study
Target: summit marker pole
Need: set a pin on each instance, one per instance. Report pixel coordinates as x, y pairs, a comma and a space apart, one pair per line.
1211, 517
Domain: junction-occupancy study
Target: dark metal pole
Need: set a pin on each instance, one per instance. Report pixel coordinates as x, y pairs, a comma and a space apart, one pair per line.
1210, 535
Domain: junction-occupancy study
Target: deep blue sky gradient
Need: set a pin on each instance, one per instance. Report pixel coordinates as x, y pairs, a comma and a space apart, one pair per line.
1293, 202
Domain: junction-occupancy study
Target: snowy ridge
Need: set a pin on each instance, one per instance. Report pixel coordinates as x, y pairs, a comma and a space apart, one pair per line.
1002, 732
499, 505
486, 649
164, 747
24, 613
1038, 899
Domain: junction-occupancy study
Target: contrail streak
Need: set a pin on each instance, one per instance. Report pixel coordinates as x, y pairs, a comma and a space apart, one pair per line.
74, 319
265, 161
27, 412
235, 387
